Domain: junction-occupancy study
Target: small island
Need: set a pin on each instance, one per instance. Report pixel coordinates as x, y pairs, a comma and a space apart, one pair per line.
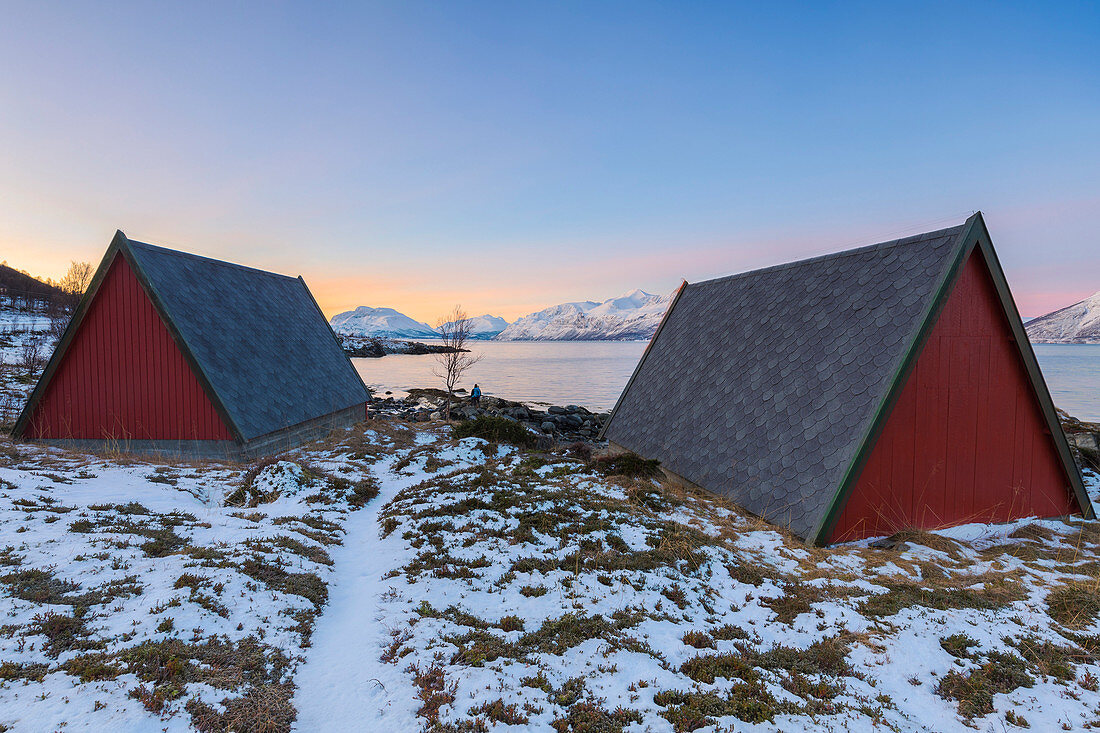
371, 347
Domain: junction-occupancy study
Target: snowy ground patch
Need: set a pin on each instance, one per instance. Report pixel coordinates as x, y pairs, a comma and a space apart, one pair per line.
538, 594
397, 579
25, 346
135, 596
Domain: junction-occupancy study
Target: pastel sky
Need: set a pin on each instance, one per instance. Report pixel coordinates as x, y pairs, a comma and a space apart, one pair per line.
509, 156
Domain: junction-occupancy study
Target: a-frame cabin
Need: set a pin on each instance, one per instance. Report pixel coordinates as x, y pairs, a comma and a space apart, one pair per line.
169, 352
856, 394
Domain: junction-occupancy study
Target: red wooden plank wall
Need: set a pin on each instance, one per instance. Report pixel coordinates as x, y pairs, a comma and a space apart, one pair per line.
966, 440
123, 377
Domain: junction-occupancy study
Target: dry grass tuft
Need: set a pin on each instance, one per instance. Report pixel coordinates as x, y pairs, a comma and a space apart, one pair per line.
1075, 605
931, 540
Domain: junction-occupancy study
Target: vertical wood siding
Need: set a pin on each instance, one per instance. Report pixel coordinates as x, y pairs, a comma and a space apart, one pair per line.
966, 440
123, 377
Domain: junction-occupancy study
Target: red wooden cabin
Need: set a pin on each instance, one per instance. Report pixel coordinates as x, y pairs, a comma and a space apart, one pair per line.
169, 352
856, 394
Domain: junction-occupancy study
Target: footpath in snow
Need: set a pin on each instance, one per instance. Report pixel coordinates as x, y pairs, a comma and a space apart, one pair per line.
343, 684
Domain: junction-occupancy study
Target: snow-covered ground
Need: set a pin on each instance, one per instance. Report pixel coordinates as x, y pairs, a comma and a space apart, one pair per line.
489, 588
138, 595
529, 591
25, 345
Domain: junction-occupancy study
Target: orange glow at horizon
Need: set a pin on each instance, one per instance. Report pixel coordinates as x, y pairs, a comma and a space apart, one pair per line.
434, 289
420, 299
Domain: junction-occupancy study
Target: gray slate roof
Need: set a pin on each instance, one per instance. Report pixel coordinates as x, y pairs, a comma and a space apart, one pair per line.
260, 339
762, 386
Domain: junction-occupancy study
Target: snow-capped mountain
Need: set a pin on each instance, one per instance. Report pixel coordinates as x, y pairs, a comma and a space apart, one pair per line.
1076, 324
486, 326
380, 323
633, 315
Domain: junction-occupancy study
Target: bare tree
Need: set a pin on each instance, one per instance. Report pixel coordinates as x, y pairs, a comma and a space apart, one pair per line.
77, 279
58, 311
30, 356
72, 286
454, 328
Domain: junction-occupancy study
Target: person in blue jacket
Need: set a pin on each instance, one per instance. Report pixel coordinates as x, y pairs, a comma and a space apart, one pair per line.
475, 396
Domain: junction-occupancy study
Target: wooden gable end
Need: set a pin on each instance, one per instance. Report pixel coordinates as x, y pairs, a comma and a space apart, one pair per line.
966, 439
122, 376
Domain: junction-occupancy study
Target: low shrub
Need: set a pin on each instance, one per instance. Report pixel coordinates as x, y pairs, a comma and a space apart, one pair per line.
307, 585
958, 645
709, 667
627, 464
499, 712
62, 632
688, 711
16, 671
974, 690
995, 592
590, 716
698, 640
495, 430
92, 668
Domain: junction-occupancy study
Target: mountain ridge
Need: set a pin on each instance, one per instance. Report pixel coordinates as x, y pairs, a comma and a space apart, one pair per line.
1075, 324
366, 321
632, 316
388, 323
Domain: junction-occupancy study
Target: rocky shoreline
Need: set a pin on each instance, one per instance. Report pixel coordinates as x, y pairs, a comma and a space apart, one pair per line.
373, 348
1084, 440
561, 423
573, 423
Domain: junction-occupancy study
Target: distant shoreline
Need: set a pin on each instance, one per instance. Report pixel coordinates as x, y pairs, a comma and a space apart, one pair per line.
375, 348
1066, 343
475, 341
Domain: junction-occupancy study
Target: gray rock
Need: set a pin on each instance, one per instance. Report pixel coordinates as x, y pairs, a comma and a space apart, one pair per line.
556, 410
435, 416
548, 427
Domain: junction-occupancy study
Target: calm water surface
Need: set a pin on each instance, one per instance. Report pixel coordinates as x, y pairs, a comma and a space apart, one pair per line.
587, 373
592, 373
1072, 372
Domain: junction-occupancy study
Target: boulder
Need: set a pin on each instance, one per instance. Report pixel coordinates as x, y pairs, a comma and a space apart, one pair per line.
1088, 447
548, 427
556, 410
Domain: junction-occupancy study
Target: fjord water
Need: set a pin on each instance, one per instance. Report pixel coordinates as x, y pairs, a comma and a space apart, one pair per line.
592, 373
1072, 373
586, 373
